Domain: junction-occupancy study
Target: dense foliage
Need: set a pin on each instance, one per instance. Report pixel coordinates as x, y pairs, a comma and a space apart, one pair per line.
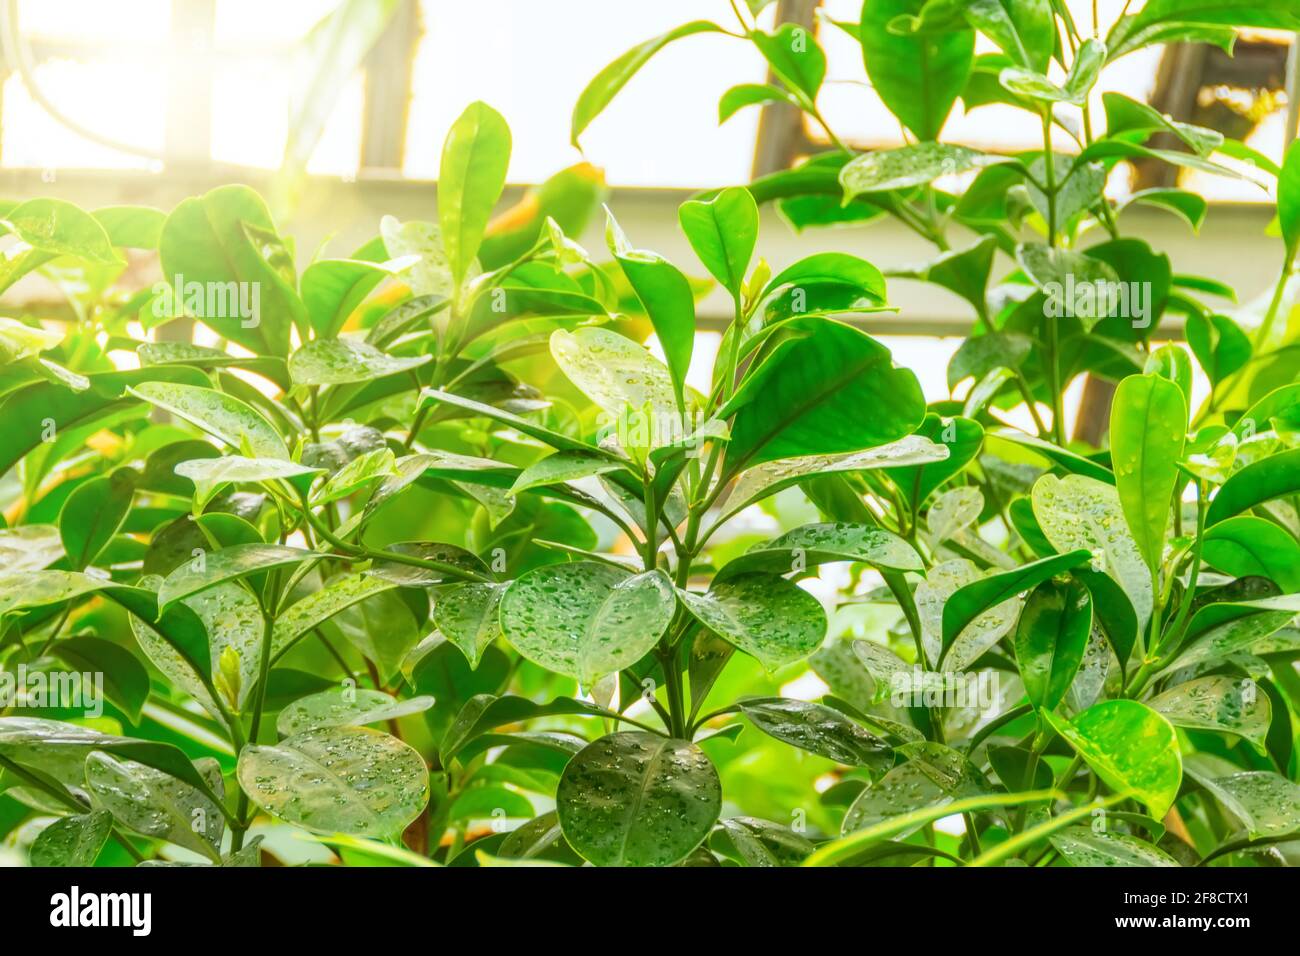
425, 557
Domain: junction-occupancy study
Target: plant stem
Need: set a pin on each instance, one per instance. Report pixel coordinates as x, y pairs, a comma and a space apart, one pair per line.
1052, 357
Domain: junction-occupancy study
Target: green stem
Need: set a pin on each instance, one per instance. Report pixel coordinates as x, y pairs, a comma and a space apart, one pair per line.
360, 551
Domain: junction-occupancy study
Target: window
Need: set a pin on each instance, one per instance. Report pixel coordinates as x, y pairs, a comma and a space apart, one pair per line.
149, 84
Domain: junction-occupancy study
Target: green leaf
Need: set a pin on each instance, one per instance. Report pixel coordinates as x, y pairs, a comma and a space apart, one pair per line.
908, 818
19, 341
1225, 704
1071, 462
794, 56
1266, 803
211, 475
1083, 846
1188, 206
1157, 18
1051, 640
816, 544
430, 275
915, 165
831, 269
338, 780
228, 564
1130, 747
1080, 512
1024, 29
817, 729
561, 467
953, 512
338, 594
131, 227
333, 288
344, 360
1088, 61
27, 589
763, 843
918, 76
665, 294
636, 799
1273, 477
763, 615
43, 410
158, 805
723, 232
1247, 546
1054, 271
60, 750
468, 616
384, 628
346, 707
61, 229
750, 94
221, 238
72, 841
234, 626
607, 83
615, 372
126, 682
93, 514
963, 437
472, 175
970, 601
932, 595
1113, 612
1219, 344
767, 479
806, 397
1033, 85
224, 417
1148, 422
1288, 200
520, 424
485, 712
361, 472
453, 558
965, 272
1221, 629
586, 620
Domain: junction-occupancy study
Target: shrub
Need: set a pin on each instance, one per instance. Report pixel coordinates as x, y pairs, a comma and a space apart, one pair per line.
366, 566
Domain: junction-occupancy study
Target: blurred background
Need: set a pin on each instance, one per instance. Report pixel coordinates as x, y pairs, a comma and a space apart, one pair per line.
337, 112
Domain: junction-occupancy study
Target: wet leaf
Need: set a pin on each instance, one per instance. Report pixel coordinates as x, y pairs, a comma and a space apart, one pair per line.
1082, 846
1130, 747
816, 544
158, 805
818, 729
346, 707
1051, 639
636, 799
586, 620
1080, 512
1148, 424
468, 616
224, 417
763, 615
338, 780
346, 359
72, 841
1224, 704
